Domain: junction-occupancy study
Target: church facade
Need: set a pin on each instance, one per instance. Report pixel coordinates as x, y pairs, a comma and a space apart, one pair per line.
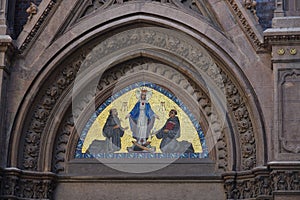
226, 70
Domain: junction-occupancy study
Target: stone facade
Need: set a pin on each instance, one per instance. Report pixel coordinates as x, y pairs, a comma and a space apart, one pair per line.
238, 75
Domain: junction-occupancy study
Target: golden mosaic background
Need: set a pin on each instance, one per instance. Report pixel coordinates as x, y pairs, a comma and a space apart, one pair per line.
160, 104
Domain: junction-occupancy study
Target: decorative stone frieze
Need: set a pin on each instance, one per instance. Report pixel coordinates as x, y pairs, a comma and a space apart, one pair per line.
260, 183
24, 41
192, 6
17, 184
43, 110
253, 35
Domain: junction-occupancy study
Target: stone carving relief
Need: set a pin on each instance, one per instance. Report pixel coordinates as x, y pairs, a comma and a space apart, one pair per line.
42, 112
22, 185
261, 185
90, 6
86, 8
251, 5
286, 180
252, 36
289, 96
36, 27
247, 141
190, 5
161, 40
32, 10
112, 76
59, 157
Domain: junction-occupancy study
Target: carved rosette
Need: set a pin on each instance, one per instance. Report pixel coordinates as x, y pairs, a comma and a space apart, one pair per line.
161, 40
17, 184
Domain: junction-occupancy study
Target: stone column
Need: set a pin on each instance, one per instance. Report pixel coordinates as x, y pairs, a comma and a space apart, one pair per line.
5, 52
284, 40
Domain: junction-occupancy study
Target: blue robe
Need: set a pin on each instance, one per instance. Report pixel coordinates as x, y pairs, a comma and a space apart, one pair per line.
134, 115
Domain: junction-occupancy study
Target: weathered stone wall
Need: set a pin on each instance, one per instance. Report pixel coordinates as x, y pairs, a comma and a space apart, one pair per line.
256, 155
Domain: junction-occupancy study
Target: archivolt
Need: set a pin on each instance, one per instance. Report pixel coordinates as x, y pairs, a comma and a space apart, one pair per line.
129, 73
149, 42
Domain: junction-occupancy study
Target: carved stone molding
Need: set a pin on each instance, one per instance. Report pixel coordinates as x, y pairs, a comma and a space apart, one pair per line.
261, 183
162, 40
23, 45
270, 38
191, 6
253, 36
286, 180
85, 8
43, 110
61, 145
18, 184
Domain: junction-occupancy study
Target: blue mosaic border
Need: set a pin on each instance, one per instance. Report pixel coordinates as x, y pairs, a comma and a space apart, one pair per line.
79, 154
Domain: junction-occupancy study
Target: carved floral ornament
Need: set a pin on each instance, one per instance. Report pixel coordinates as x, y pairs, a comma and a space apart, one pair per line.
153, 38
27, 185
262, 185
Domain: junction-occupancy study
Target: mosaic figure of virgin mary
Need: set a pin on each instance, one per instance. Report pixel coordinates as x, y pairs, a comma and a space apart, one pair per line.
141, 118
